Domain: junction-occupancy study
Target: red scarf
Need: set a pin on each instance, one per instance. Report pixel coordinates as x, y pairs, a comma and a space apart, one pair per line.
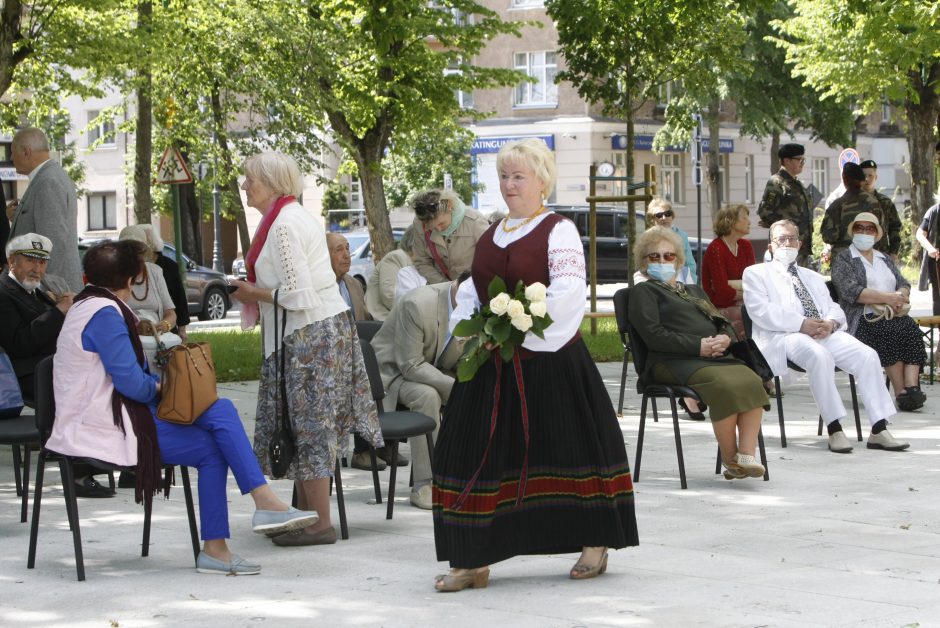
262, 234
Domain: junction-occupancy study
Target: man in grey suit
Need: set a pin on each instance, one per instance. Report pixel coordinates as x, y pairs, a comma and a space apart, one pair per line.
416, 356
49, 206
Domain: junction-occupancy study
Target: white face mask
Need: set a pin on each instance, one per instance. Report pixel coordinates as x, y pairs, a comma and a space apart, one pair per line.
785, 256
863, 241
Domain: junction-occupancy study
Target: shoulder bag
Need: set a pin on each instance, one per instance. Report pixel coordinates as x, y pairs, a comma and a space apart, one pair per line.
188, 385
746, 350
282, 448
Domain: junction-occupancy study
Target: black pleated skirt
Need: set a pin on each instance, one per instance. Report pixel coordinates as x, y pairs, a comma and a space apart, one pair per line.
573, 489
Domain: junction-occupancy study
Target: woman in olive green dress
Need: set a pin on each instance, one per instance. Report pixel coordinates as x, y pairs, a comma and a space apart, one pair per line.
688, 344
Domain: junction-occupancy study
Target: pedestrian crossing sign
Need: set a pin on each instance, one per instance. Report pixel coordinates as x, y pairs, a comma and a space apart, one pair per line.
172, 168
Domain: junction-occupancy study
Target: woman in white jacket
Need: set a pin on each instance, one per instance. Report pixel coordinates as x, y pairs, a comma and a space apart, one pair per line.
327, 387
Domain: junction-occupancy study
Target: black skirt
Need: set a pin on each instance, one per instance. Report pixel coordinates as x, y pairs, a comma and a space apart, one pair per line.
574, 488
896, 340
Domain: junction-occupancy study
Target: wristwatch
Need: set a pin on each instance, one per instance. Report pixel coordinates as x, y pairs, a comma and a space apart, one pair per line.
835, 325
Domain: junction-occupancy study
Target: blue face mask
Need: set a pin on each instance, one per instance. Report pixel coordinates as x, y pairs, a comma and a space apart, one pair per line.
863, 241
661, 272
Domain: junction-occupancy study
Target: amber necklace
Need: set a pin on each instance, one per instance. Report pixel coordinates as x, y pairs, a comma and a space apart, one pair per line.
523, 223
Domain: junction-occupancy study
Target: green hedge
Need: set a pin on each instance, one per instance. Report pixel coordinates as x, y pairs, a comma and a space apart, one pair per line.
237, 353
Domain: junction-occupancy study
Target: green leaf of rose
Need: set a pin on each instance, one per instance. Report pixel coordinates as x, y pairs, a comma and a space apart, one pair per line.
497, 285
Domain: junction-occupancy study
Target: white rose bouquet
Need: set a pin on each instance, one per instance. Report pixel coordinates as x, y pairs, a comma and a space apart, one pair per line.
501, 325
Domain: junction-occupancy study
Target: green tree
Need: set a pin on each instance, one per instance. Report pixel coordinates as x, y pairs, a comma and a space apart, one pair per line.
421, 160
334, 196
368, 73
871, 51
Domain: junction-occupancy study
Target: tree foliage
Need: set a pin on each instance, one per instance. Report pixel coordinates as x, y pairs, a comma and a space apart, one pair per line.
873, 51
371, 74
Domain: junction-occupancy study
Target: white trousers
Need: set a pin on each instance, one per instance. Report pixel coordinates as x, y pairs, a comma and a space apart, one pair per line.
819, 359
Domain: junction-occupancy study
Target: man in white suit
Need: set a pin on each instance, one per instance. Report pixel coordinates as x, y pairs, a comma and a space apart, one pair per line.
49, 206
794, 318
416, 358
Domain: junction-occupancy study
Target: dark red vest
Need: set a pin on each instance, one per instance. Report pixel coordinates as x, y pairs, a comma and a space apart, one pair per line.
525, 259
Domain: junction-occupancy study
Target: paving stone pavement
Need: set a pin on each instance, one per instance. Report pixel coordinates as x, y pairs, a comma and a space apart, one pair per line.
830, 540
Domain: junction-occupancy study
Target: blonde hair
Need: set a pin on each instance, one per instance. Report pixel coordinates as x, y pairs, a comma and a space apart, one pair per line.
139, 233
277, 171
657, 205
534, 154
726, 217
427, 204
653, 236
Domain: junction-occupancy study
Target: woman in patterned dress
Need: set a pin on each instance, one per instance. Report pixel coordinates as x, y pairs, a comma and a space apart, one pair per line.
551, 475
324, 364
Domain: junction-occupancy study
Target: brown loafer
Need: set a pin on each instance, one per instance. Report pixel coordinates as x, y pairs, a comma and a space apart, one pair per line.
326, 536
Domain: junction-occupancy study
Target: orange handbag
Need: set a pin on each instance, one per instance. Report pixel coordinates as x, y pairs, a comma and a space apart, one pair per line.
188, 386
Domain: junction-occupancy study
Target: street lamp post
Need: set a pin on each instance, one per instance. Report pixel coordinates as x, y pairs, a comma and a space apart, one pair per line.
697, 168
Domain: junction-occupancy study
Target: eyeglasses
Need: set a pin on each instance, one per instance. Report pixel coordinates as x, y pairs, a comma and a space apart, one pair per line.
865, 229
787, 240
666, 214
655, 257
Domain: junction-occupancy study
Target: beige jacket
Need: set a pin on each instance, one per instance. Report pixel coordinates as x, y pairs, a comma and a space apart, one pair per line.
380, 289
357, 298
410, 343
456, 250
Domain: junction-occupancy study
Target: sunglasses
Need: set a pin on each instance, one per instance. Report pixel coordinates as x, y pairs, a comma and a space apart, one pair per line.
666, 214
865, 229
655, 257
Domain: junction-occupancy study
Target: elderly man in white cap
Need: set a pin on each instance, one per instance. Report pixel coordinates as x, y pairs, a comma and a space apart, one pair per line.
32, 318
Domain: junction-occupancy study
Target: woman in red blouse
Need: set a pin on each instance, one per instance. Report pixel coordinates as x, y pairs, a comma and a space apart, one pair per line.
725, 260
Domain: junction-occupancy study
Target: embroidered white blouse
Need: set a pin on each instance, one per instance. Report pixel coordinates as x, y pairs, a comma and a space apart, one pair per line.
566, 292
295, 259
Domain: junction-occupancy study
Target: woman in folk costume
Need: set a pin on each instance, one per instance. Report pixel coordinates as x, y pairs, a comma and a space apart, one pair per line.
530, 458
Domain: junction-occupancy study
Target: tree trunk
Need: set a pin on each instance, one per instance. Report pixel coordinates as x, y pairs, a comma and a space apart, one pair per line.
774, 147
143, 150
921, 117
11, 13
714, 174
373, 197
229, 186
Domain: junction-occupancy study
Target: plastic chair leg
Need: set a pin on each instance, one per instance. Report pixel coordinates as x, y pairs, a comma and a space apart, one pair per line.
783, 430
675, 427
639, 440
393, 455
341, 502
375, 475
37, 501
190, 511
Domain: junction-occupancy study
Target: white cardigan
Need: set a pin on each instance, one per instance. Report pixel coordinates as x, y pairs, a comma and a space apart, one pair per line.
296, 260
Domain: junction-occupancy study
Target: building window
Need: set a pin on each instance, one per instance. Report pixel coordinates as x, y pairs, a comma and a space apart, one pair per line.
355, 189
723, 188
102, 211
464, 98
103, 131
670, 178
527, 4
821, 174
666, 92
541, 66
885, 112
749, 179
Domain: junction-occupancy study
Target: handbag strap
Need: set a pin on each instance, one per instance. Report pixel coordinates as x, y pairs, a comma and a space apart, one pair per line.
432, 248
279, 370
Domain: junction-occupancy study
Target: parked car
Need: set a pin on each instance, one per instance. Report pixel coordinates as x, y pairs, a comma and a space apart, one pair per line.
360, 250
612, 246
205, 288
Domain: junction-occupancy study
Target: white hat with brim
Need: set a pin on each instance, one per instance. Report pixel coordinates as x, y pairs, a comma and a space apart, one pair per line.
30, 245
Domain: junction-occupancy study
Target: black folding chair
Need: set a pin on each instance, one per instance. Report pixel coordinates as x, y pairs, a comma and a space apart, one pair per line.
396, 425
45, 417
653, 391
368, 329
620, 312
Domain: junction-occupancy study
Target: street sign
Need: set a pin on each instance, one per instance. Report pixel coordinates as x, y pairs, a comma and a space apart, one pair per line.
848, 155
172, 168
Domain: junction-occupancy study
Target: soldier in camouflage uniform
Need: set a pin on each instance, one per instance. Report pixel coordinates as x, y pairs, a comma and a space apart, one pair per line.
786, 198
843, 210
892, 223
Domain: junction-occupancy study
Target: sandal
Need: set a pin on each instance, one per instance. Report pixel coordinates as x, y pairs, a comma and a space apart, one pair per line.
581, 571
470, 579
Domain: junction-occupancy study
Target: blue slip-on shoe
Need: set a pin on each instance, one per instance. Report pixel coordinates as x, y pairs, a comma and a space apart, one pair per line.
275, 522
238, 567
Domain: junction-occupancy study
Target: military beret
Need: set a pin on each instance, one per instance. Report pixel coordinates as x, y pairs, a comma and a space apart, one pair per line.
853, 171
869, 163
790, 150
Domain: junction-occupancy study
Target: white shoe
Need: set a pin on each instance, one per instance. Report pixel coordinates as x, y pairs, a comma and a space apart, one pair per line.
421, 498
884, 440
749, 465
839, 444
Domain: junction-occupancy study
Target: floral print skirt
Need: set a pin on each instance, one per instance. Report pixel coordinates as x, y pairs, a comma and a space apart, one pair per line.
328, 396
